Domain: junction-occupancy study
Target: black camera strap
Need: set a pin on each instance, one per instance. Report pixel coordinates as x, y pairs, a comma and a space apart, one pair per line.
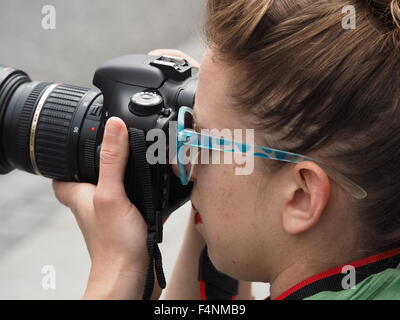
215, 285
139, 187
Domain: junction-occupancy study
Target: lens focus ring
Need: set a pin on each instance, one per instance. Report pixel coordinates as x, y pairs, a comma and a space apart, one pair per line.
53, 130
25, 120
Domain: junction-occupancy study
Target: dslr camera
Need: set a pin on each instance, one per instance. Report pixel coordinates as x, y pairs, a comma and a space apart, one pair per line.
55, 130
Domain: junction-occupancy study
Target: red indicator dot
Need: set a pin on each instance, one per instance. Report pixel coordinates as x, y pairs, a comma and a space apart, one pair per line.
93, 129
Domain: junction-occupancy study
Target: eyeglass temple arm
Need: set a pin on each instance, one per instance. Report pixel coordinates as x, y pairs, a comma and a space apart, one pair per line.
220, 144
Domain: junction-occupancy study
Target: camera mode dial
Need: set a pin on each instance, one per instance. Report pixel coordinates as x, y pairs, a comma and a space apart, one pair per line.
146, 103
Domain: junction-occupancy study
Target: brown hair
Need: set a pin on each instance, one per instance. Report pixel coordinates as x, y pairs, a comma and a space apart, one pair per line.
326, 89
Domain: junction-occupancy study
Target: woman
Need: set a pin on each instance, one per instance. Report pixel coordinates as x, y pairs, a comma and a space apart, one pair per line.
307, 85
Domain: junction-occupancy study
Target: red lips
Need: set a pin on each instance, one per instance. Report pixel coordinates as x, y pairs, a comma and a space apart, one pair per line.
197, 216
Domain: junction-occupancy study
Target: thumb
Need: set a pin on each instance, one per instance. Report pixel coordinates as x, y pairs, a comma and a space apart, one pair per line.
113, 158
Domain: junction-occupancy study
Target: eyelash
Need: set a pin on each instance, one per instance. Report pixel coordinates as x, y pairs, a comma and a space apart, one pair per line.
195, 126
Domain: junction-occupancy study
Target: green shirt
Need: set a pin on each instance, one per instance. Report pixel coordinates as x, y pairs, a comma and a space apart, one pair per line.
380, 286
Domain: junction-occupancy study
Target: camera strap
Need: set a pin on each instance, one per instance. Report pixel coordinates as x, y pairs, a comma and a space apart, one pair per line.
139, 187
333, 279
215, 285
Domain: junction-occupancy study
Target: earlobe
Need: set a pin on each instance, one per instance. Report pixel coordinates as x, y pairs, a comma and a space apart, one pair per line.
307, 198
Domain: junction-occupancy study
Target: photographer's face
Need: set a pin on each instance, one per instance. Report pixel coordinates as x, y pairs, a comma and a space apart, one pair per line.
236, 210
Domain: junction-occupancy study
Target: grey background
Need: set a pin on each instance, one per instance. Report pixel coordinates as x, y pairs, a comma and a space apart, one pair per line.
35, 230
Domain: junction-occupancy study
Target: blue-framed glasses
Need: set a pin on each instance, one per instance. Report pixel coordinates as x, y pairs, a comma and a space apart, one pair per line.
189, 142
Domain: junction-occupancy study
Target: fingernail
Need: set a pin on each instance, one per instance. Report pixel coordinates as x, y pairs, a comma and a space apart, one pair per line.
113, 128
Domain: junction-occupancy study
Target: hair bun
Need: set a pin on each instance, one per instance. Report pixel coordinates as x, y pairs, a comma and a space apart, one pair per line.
387, 10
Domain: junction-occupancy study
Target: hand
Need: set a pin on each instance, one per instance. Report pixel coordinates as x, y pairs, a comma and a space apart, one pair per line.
175, 53
192, 62
114, 230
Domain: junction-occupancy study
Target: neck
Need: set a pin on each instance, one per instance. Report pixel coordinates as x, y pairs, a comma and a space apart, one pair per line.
289, 277
301, 270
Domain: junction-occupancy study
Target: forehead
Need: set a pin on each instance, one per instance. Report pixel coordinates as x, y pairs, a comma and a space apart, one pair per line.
213, 107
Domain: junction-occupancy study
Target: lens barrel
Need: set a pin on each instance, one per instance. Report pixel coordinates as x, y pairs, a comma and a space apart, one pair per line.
48, 129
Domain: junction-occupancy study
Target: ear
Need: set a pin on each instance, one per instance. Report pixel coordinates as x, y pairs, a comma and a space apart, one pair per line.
307, 198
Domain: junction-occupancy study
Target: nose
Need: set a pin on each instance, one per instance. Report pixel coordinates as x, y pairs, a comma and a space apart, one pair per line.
175, 169
194, 173
187, 167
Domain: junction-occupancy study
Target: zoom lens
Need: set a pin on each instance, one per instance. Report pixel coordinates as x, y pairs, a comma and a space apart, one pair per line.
49, 129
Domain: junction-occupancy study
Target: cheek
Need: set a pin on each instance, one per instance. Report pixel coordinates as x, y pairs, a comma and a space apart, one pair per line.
217, 189
224, 195
227, 211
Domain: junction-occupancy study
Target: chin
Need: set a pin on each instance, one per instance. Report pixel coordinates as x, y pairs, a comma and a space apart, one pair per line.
235, 269
221, 265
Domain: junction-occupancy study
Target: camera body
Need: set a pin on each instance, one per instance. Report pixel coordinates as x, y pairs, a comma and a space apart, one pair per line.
55, 130
146, 92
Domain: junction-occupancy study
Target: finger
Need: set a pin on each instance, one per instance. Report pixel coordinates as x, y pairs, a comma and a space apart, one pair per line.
72, 194
113, 158
175, 53
77, 196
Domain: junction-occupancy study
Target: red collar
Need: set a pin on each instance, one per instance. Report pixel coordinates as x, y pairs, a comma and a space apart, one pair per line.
331, 280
